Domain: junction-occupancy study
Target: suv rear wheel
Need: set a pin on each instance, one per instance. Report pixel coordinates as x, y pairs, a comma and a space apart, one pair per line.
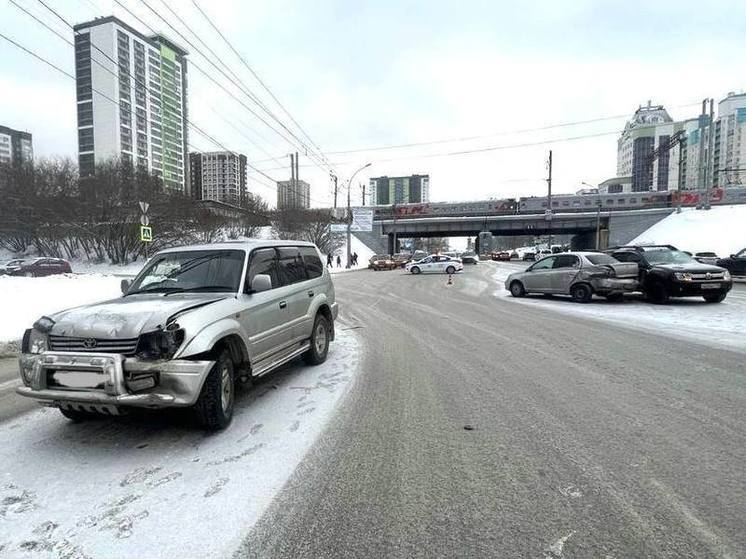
214, 406
715, 298
319, 341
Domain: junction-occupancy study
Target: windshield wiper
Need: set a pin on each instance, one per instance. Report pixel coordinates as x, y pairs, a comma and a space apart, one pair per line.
219, 288
162, 289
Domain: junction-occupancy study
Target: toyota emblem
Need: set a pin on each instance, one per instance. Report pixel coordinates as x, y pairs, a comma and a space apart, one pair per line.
90, 343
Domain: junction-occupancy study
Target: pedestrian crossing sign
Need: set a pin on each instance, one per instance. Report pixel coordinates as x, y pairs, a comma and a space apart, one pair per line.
146, 234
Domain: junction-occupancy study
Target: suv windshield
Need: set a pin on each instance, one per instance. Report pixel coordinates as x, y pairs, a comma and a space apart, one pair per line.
667, 256
194, 270
601, 259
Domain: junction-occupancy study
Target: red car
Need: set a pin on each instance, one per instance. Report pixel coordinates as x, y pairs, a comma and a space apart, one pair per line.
502, 255
39, 267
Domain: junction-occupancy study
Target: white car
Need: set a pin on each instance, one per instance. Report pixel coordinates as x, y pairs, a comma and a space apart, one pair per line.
438, 263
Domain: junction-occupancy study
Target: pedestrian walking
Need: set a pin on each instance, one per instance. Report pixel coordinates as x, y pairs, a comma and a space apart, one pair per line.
354, 258
329, 260
339, 261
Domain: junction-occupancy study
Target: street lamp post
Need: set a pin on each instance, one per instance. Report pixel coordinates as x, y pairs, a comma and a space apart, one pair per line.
349, 215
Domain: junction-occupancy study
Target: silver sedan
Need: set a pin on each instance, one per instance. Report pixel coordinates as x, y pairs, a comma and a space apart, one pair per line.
578, 274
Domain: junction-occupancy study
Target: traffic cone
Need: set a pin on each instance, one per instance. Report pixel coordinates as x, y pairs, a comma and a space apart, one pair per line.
450, 280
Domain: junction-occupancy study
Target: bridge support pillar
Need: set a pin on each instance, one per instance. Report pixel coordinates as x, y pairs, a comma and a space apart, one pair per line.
392, 248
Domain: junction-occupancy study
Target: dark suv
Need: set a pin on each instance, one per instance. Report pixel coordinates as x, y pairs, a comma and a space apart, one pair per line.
666, 272
735, 264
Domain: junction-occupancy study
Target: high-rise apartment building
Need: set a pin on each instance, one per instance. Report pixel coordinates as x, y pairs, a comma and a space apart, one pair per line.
293, 195
132, 100
729, 143
650, 128
218, 176
399, 190
15, 146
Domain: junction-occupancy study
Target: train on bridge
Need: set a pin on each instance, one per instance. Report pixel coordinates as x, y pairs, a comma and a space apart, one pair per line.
561, 203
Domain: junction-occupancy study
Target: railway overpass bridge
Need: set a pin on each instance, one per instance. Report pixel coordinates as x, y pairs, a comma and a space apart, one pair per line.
617, 227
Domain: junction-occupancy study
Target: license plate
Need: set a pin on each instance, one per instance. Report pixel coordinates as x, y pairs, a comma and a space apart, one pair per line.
76, 380
710, 286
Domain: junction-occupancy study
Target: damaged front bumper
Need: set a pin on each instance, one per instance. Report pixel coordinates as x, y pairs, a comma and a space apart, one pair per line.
110, 381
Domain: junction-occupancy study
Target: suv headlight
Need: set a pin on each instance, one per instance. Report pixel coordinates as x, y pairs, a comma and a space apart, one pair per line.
34, 342
683, 276
161, 344
727, 276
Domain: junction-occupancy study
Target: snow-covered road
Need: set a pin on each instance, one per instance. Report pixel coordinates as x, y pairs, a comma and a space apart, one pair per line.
720, 325
151, 485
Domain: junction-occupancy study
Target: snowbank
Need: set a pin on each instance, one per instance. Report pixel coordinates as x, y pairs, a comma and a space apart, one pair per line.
151, 486
364, 254
721, 230
23, 300
719, 325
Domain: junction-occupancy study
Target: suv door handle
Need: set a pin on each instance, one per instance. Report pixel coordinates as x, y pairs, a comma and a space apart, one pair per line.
283, 304
310, 293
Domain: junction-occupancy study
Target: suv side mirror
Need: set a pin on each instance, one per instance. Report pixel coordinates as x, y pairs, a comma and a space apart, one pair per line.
125, 285
261, 282
733, 256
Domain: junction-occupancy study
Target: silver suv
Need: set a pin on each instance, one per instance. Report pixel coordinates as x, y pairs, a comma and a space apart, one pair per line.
195, 320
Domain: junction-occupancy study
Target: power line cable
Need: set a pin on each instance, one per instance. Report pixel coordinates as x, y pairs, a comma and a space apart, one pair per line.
256, 76
484, 136
240, 85
190, 123
208, 76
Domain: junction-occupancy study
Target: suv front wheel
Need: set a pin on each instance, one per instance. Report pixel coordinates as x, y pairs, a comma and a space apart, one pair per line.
319, 341
715, 297
657, 293
214, 407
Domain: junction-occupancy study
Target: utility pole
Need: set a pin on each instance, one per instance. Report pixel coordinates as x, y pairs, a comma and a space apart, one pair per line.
710, 169
349, 215
701, 158
362, 187
334, 178
548, 213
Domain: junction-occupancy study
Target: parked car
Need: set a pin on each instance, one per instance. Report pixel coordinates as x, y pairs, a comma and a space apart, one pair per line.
666, 272
529, 256
514, 255
401, 258
418, 255
501, 255
706, 258
735, 263
544, 252
381, 262
40, 267
437, 263
192, 322
7, 268
469, 257
578, 274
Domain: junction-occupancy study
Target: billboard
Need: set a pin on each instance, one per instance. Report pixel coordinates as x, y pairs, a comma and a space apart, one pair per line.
362, 219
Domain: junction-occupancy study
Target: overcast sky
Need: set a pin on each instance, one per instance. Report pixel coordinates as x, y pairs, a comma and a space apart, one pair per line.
359, 75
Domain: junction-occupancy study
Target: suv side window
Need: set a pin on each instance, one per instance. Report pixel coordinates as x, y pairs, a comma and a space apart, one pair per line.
627, 257
292, 268
263, 261
566, 261
313, 263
